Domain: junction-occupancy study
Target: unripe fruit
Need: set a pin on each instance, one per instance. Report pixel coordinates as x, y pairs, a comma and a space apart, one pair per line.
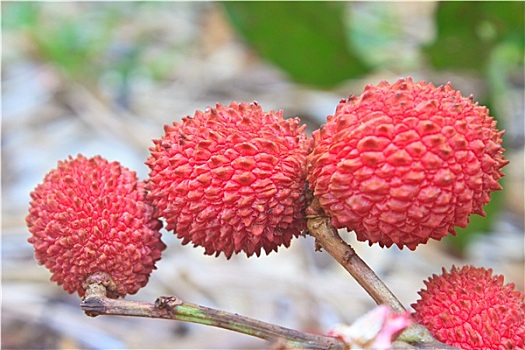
406, 162
231, 179
471, 309
88, 216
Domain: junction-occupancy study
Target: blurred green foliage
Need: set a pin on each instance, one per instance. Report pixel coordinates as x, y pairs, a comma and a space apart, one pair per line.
315, 43
306, 39
467, 32
73, 44
377, 33
88, 40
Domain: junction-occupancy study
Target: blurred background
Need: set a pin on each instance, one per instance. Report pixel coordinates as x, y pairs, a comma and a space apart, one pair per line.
103, 78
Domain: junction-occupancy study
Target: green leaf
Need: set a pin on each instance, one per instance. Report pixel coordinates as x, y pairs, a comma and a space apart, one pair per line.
306, 39
468, 31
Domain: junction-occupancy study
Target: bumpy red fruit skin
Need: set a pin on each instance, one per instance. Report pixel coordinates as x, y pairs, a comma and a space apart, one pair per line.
90, 215
471, 309
405, 162
231, 179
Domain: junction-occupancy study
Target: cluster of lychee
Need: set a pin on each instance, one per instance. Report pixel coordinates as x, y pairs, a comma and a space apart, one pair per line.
399, 164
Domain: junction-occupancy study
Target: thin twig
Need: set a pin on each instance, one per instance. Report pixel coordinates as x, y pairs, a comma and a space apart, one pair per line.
172, 308
328, 238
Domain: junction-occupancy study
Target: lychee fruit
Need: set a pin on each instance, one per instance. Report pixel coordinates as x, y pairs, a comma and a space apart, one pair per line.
470, 309
231, 179
406, 162
90, 215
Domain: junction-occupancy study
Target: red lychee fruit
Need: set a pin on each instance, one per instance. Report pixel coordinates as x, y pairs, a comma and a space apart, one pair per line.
90, 215
231, 179
471, 309
405, 162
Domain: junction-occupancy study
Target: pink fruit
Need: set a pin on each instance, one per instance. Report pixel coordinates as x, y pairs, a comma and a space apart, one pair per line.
89, 215
405, 162
231, 179
471, 309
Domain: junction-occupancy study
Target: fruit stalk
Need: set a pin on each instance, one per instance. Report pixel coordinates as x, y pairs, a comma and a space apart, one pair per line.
172, 308
328, 238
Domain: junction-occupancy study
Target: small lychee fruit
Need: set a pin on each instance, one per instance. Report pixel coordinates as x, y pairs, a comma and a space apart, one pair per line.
231, 179
471, 309
405, 162
90, 216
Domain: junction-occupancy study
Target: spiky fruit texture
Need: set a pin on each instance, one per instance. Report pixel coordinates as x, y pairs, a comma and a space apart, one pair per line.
471, 309
405, 162
231, 179
90, 215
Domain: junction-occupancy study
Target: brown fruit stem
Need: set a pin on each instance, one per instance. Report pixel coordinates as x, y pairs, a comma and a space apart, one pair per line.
100, 284
96, 303
327, 238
